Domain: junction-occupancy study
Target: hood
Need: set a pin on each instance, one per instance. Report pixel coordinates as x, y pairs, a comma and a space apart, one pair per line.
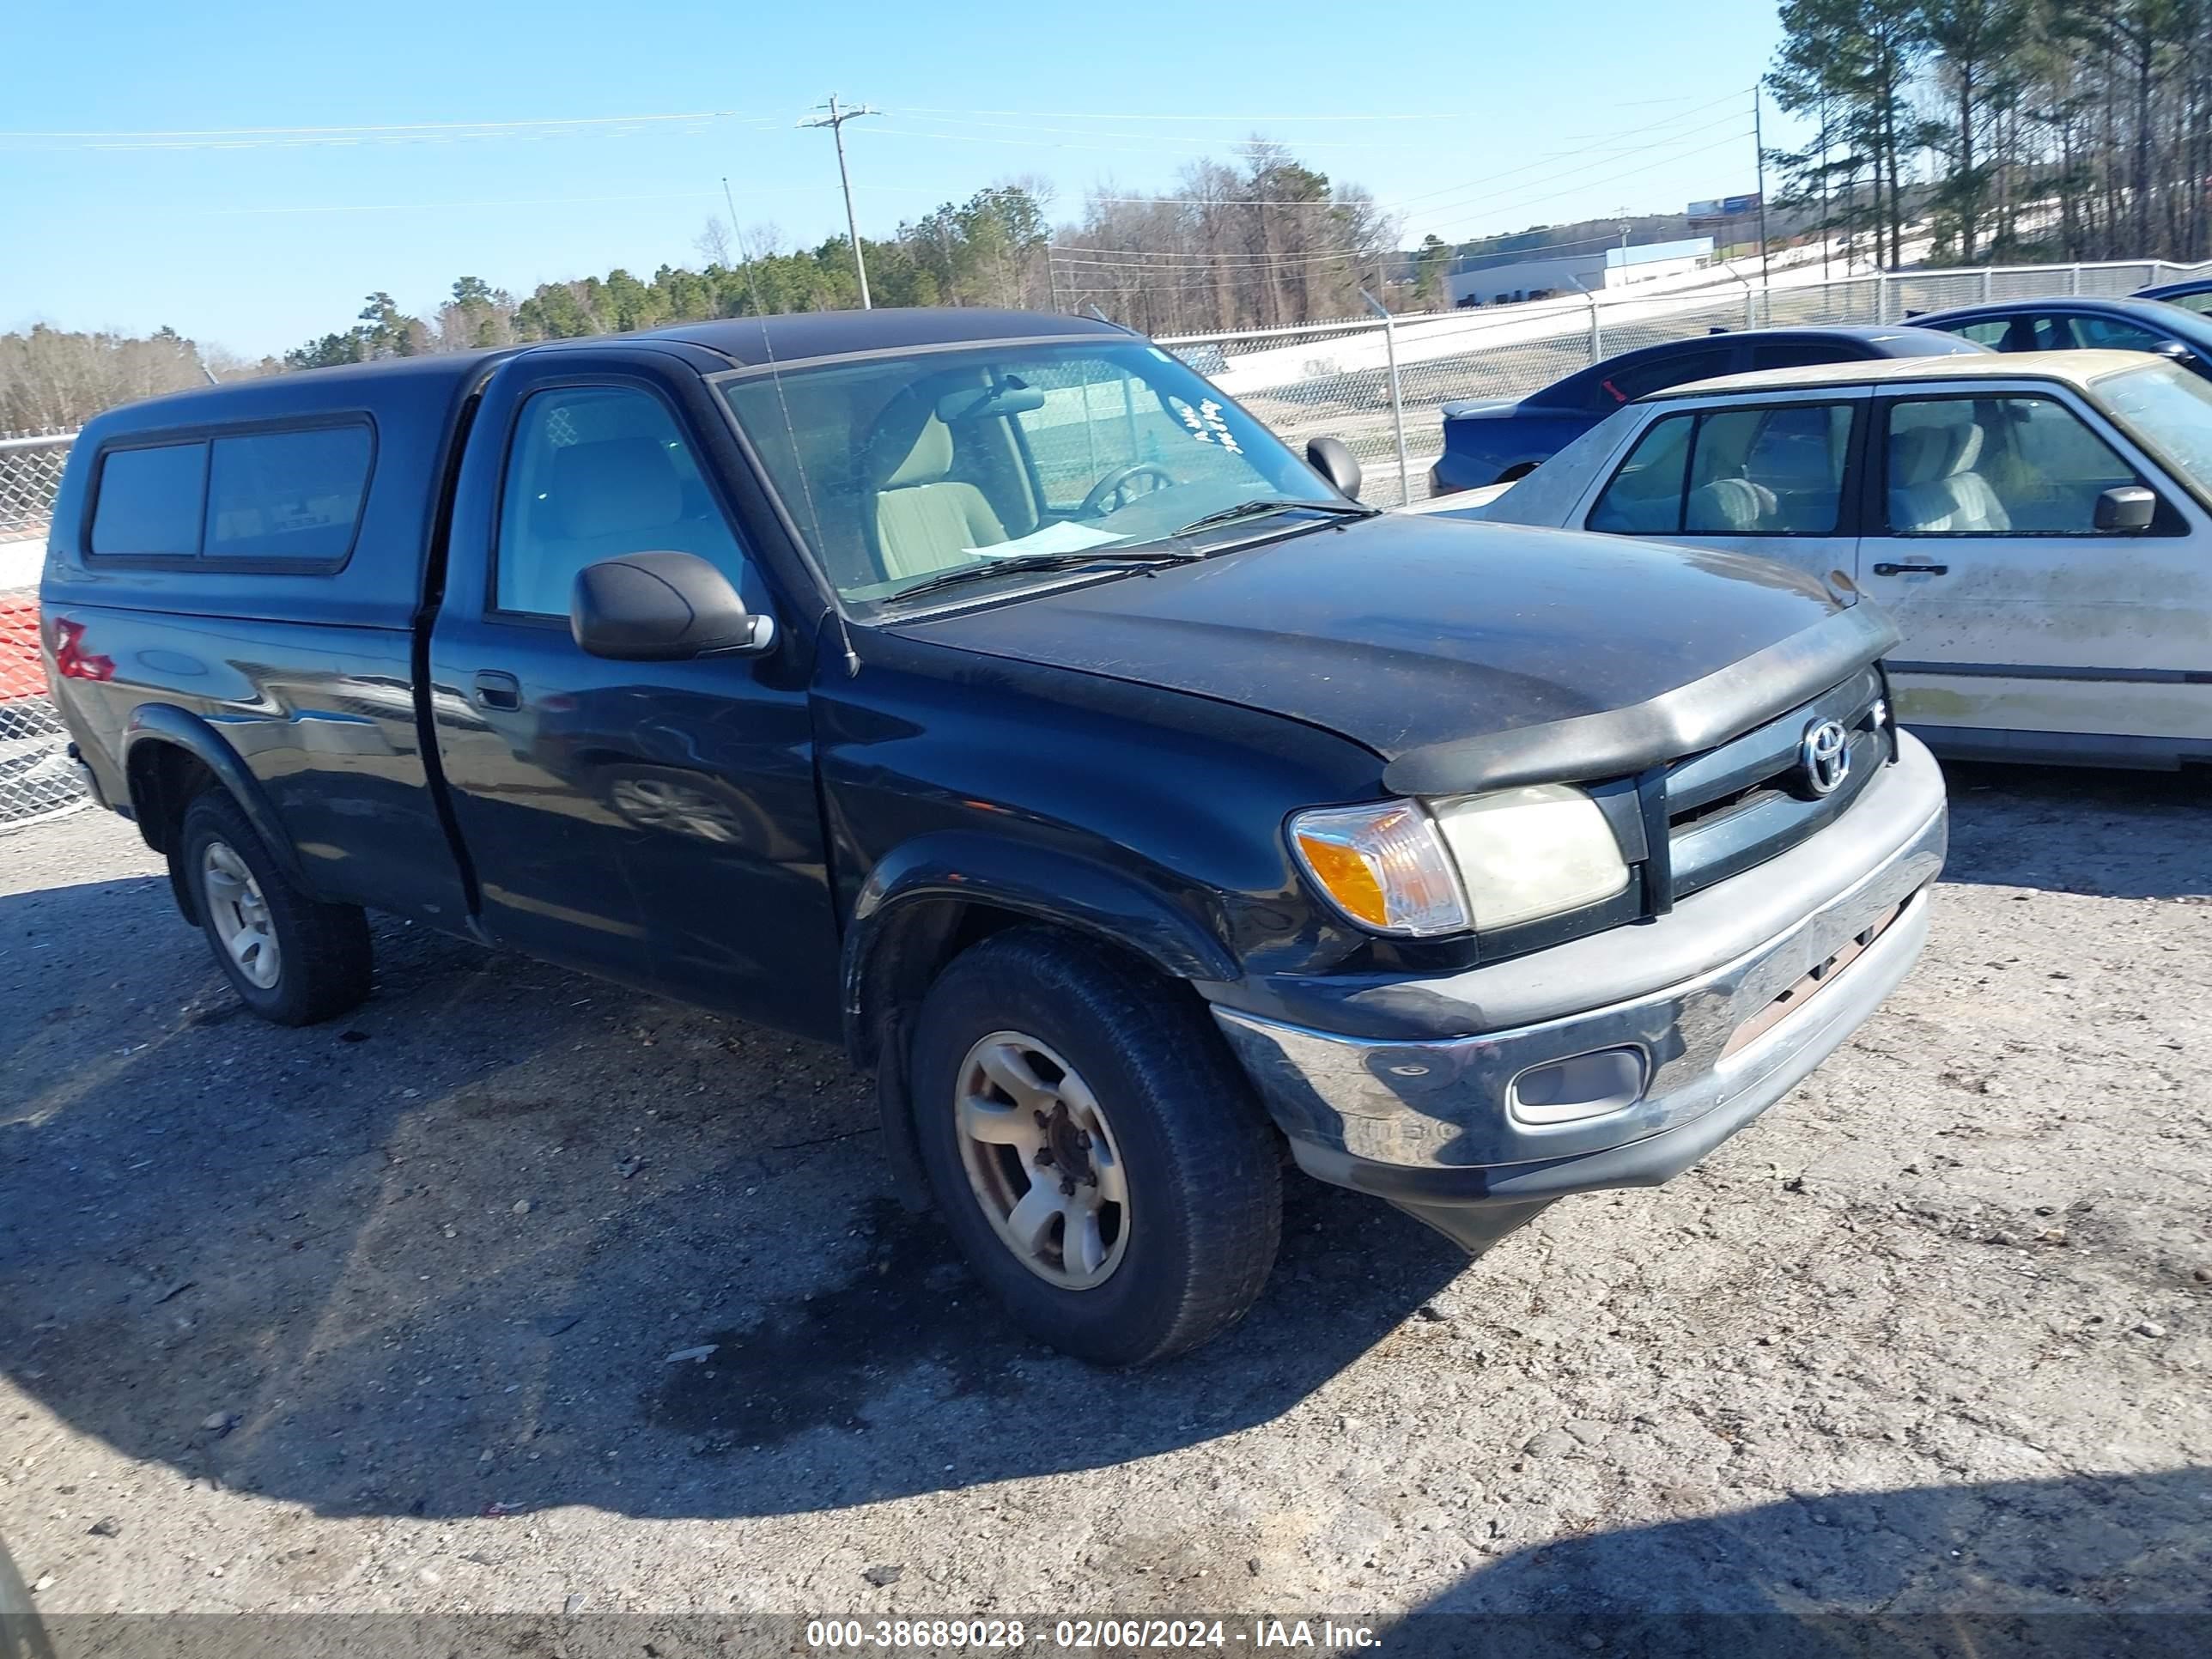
1414, 636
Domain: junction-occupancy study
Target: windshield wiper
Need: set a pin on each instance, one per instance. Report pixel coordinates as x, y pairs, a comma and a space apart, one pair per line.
1276, 504
1073, 560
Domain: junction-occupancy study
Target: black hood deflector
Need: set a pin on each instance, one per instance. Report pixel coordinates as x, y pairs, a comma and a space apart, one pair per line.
1683, 721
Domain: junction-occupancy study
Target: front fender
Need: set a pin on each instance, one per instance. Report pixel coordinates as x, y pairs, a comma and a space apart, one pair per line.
1053, 885
165, 723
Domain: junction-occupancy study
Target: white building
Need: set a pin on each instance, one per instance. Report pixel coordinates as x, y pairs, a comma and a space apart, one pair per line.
1504, 279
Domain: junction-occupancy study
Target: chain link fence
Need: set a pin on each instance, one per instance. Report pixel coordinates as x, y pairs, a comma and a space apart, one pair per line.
36, 781
1364, 380
30, 474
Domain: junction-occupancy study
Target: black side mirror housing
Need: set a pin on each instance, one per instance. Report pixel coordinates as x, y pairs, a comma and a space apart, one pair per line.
1332, 460
2126, 510
662, 607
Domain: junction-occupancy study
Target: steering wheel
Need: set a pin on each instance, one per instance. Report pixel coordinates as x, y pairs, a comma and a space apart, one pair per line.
1114, 483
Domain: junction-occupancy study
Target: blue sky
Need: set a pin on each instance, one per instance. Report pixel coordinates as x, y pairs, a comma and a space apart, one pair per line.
256, 243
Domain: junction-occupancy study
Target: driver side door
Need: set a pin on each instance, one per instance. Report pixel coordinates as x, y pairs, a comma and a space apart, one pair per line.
653, 821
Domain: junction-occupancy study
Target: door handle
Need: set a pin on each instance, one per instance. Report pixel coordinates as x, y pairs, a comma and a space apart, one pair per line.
496, 691
1885, 568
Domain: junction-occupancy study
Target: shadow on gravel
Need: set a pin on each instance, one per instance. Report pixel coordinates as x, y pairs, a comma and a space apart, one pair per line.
2072, 829
505, 1239
2088, 1566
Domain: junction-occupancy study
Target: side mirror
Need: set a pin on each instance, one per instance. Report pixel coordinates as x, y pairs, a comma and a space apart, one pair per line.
662, 607
2126, 510
2173, 351
1334, 462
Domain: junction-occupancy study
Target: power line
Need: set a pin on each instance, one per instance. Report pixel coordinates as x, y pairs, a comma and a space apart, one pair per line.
1068, 252
1388, 202
388, 133
1140, 115
1068, 256
1194, 274
1148, 140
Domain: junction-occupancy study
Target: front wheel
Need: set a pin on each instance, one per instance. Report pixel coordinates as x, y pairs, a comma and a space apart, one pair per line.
1094, 1149
291, 959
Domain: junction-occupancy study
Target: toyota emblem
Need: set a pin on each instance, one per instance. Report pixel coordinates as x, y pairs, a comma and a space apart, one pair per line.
1825, 756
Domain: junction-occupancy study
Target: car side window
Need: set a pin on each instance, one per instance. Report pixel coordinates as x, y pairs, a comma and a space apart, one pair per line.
2015, 466
596, 472
2111, 334
149, 501
1633, 380
1803, 353
287, 494
1989, 332
1645, 496
1774, 471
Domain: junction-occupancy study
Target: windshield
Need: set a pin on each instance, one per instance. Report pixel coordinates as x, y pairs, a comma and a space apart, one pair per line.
897, 469
2170, 410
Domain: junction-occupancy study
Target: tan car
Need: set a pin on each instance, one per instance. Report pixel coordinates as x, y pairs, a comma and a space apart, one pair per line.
2040, 527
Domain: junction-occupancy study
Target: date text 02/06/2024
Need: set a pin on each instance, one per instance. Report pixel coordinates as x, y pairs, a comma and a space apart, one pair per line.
1083, 1635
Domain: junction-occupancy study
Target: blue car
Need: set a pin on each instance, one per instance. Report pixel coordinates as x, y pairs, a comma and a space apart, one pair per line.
1488, 443
2072, 322
2194, 294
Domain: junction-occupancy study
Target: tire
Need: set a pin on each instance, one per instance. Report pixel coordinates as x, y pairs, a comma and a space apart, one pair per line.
315, 957
1176, 1132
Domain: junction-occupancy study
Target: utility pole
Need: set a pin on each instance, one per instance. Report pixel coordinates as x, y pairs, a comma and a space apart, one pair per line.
835, 120
1759, 144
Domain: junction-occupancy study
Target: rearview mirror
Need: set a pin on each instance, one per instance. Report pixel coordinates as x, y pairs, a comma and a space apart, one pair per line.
662, 607
2126, 509
1333, 461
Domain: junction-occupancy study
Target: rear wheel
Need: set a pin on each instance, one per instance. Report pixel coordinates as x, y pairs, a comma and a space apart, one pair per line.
1094, 1149
291, 959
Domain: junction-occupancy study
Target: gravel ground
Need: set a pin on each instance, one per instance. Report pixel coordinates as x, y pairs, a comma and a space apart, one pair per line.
392, 1314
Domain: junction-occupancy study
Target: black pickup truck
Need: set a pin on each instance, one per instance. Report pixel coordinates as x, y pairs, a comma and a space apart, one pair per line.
988, 693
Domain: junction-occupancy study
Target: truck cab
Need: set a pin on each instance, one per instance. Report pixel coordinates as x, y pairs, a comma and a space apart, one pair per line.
987, 693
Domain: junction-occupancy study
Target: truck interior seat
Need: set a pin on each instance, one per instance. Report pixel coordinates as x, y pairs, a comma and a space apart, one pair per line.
925, 518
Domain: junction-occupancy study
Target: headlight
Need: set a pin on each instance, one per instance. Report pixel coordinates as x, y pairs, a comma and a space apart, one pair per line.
1529, 853
1478, 861
1382, 865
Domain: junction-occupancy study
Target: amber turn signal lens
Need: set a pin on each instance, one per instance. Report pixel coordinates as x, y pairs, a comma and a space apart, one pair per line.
1383, 865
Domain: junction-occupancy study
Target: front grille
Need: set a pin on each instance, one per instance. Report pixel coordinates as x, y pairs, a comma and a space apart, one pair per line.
1746, 801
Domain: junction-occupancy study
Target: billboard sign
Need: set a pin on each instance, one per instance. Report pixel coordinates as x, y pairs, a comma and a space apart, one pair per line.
1724, 207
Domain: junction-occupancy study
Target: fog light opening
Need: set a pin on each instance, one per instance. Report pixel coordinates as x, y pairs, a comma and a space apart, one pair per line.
1582, 1086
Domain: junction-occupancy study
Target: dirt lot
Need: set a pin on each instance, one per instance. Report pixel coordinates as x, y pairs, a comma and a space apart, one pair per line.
381, 1316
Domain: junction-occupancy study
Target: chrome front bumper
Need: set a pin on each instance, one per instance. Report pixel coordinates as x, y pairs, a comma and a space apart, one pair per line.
1443, 1122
